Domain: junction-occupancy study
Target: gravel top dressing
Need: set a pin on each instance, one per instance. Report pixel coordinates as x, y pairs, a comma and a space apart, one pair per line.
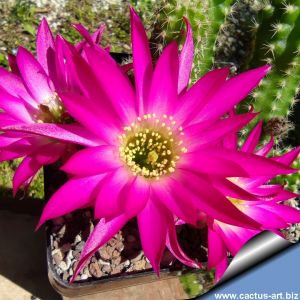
122, 254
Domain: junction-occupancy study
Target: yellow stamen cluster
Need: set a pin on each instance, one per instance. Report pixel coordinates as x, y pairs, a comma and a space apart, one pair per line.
52, 111
151, 146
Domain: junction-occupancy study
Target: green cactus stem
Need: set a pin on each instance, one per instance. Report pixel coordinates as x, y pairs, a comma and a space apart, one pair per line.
278, 37
236, 40
205, 17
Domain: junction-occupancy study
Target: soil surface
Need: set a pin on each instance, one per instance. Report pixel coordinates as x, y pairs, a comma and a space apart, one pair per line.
122, 254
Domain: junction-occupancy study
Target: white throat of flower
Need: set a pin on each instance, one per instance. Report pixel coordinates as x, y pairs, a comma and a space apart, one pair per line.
52, 111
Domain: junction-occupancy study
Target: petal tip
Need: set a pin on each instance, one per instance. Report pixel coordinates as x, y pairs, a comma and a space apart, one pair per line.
268, 68
43, 22
72, 279
39, 225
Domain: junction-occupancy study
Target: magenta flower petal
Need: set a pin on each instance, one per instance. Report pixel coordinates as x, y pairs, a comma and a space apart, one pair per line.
220, 269
205, 163
10, 154
79, 191
227, 96
265, 217
84, 32
234, 237
14, 107
289, 157
163, 91
109, 199
102, 233
45, 46
101, 97
264, 190
93, 117
287, 213
153, 244
97, 35
136, 196
264, 151
253, 165
186, 58
218, 207
281, 195
7, 140
216, 249
91, 39
175, 249
197, 138
284, 195
231, 238
62, 79
253, 139
14, 86
110, 75
21, 147
286, 160
72, 133
79, 72
230, 189
185, 210
142, 61
197, 96
92, 161
7, 120
34, 76
33, 163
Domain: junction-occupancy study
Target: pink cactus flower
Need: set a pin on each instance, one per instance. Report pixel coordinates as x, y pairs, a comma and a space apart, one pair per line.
29, 95
158, 145
262, 204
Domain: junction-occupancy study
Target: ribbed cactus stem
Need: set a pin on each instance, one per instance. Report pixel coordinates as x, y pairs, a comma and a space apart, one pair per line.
205, 17
236, 39
277, 43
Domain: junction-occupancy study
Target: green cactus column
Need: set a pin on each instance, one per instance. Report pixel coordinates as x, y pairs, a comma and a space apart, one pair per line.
205, 16
278, 43
236, 39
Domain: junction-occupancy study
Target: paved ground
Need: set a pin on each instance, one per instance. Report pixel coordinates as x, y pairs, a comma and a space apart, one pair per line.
23, 271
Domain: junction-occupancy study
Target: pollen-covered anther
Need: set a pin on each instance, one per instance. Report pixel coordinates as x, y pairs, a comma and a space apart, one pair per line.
150, 146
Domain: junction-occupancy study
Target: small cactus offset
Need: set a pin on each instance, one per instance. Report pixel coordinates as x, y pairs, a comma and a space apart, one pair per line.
205, 16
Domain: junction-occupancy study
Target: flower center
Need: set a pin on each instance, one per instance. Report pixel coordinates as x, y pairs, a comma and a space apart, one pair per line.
151, 146
52, 111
